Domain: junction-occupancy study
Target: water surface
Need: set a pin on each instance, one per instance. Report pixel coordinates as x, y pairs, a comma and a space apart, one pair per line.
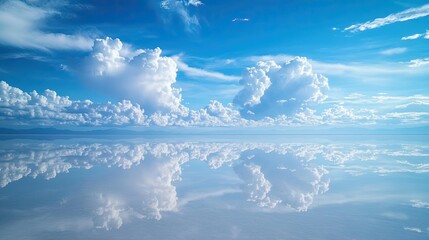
215, 187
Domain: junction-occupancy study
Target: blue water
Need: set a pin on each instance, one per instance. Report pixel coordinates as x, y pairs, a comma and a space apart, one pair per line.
215, 187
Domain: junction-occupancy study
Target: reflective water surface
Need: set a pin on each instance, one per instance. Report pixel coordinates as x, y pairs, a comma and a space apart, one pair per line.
215, 187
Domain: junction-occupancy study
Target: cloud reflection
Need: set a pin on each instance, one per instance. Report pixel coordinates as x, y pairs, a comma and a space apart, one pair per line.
272, 175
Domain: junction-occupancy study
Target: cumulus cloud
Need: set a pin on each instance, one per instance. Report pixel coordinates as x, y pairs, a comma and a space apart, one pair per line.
49, 108
18, 108
143, 76
22, 24
406, 15
181, 8
270, 89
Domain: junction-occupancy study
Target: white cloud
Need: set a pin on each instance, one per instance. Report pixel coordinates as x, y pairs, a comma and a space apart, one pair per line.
22, 24
49, 108
413, 229
406, 15
271, 90
181, 7
417, 35
240, 19
419, 204
412, 37
197, 72
419, 62
195, 3
143, 76
351, 70
393, 51
109, 215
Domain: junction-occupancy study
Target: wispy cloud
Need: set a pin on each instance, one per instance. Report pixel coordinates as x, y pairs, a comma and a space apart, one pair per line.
412, 37
181, 8
409, 14
416, 36
195, 3
22, 25
419, 204
413, 229
419, 62
393, 51
198, 72
240, 19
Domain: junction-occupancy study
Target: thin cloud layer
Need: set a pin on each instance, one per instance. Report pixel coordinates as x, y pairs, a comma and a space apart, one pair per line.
22, 24
181, 8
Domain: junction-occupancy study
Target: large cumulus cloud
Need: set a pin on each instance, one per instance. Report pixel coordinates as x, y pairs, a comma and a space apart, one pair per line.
270, 89
143, 75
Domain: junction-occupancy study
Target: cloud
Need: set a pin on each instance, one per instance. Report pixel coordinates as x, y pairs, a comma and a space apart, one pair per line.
412, 37
406, 15
419, 62
109, 215
417, 35
49, 108
393, 51
22, 25
274, 179
181, 8
419, 204
143, 75
351, 70
270, 89
413, 229
256, 185
240, 19
195, 3
197, 72
19, 108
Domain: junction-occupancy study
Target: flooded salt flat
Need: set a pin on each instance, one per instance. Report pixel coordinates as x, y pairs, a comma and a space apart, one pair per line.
245, 187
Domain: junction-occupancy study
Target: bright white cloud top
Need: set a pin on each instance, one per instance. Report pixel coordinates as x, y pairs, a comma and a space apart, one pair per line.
271, 90
143, 76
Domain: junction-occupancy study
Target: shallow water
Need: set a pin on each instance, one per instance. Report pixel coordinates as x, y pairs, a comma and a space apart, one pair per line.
215, 187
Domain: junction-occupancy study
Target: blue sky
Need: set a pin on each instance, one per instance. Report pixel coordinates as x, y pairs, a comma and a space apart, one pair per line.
214, 63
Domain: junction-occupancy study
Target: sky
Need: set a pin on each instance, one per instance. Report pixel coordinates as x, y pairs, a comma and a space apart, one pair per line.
191, 63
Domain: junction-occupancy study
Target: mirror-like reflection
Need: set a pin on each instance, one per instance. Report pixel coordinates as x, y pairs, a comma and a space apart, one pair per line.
218, 189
